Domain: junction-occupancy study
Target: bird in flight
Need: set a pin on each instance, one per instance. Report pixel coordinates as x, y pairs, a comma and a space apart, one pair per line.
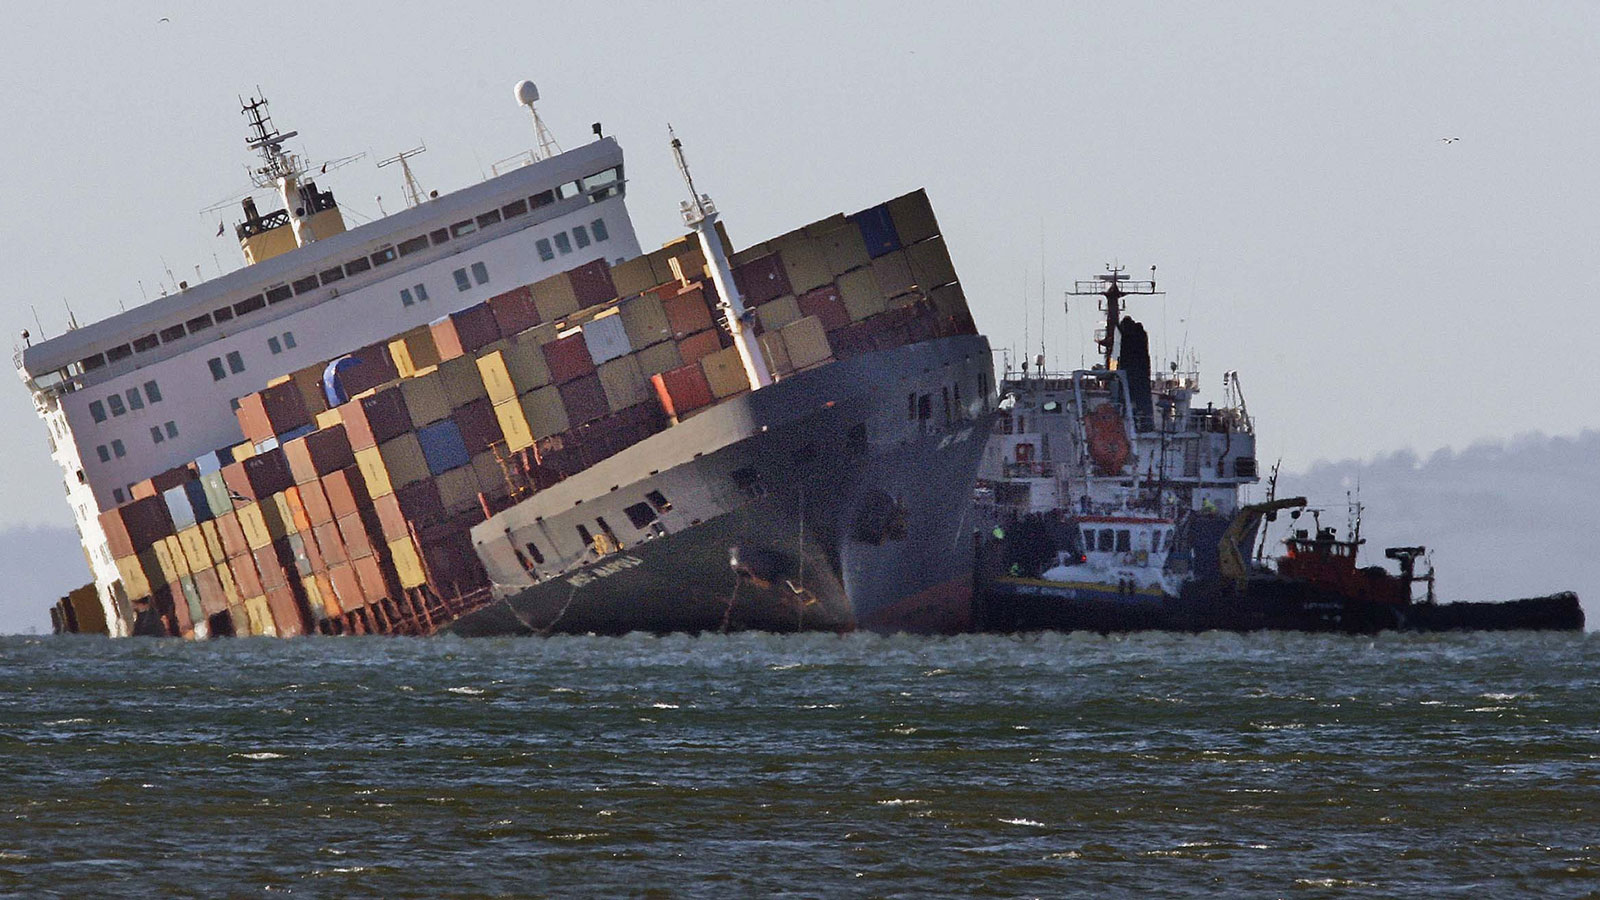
164, 19
1449, 140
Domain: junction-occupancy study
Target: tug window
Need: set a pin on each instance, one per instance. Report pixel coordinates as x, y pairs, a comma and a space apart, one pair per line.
1124, 541
1108, 540
1088, 539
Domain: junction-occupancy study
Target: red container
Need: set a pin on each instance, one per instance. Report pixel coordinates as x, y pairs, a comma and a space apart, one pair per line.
682, 390
391, 521
353, 532
585, 400
568, 358
232, 536
330, 450
315, 501
374, 366
246, 575
763, 279
853, 341
172, 478
269, 567
299, 460
315, 561
260, 476
272, 411
209, 586
330, 544
346, 491
826, 304
697, 346
370, 574
369, 421
346, 587
478, 426
418, 502
591, 282
687, 312
134, 526
286, 612
514, 311
465, 332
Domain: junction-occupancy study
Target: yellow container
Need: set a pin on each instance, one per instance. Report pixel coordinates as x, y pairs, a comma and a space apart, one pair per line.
645, 320
285, 516
807, 343
254, 525
461, 381
844, 249
689, 267
725, 372
329, 418
213, 543
374, 472
859, 291
406, 563
134, 582
230, 587
805, 263
514, 425
949, 300
554, 298
624, 383
243, 451
425, 398
313, 595
633, 276
150, 563
776, 354
544, 412
403, 460
258, 617
496, 378
892, 271
930, 263
177, 564
195, 552
775, 314
913, 217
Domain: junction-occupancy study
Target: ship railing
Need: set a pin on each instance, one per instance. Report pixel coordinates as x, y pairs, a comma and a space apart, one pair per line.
1030, 470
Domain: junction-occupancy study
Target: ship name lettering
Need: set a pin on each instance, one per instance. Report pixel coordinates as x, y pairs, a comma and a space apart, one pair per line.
620, 564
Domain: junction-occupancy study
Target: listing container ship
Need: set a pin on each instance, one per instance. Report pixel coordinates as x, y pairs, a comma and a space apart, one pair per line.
493, 413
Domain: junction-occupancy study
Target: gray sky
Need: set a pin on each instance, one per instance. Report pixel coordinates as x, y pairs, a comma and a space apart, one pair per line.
1377, 288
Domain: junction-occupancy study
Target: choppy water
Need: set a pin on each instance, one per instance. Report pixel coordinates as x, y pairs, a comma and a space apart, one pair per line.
755, 765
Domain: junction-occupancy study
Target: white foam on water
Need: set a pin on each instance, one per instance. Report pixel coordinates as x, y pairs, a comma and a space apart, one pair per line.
469, 691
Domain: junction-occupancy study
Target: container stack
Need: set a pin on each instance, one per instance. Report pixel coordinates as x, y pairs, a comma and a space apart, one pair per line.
356, 518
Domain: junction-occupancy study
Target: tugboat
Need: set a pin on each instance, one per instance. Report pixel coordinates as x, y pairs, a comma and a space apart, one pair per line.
1109, 501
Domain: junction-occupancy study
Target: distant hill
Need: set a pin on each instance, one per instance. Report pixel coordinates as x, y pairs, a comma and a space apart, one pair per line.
37, 566
1503, 519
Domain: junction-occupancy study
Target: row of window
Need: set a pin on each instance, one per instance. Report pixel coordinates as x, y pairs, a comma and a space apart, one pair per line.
235, 365
564, 245
1120, 540
599, 186
97, 408
156, 432
417, 293
115, 449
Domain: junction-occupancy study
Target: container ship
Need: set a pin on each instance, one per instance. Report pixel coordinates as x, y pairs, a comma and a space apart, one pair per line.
493, 413
1110, 500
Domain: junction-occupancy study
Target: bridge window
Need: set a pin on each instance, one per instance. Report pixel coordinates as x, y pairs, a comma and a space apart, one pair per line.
440, 236
103, 453
543, 198
543, 246
97, 410
249, 305
306, 284
514, 208
134, 400
420, 242
198, 323
581, 235
224, 314
277, 295
115, 402
489, 218
601, 178
152, 392
148, 342
357, 266
570, 189
155, 434
118, 353
168, 335
463, 283
480, 273
383, 257
563, 243
640, 514
118, 450
235, 362
329, 276
598, 227
462, 229
1088, 539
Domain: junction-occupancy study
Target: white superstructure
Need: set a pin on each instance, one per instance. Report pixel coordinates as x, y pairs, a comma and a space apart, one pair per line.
154, 387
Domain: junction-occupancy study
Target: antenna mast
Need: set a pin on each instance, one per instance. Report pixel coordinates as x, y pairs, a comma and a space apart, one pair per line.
413, 190
281, 170
700, 214
527, 95
1113, 286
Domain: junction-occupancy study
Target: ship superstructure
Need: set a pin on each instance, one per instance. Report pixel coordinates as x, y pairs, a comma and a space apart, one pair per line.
156, 386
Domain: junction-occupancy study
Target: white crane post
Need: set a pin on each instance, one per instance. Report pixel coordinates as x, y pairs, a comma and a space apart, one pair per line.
700, 214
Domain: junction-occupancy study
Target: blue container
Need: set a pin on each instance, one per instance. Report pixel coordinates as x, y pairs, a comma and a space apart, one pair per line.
178, 506
877, 229
198, 501
443, 447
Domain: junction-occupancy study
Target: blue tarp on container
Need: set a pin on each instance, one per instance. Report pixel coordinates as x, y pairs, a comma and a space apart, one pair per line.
214, 461
443, 447
877, 229
178, 507
198, 501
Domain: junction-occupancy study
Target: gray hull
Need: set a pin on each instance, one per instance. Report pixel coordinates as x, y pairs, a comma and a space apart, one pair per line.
833, 500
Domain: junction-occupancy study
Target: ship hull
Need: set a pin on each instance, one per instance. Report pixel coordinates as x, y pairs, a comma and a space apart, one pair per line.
1267, 604
823, 502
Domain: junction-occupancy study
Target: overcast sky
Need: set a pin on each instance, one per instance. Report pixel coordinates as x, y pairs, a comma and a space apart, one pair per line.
1377, 287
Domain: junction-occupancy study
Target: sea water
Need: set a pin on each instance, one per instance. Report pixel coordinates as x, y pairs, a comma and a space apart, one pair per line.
802, 766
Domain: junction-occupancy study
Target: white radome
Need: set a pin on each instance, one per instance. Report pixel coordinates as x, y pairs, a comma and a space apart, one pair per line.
527, 93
